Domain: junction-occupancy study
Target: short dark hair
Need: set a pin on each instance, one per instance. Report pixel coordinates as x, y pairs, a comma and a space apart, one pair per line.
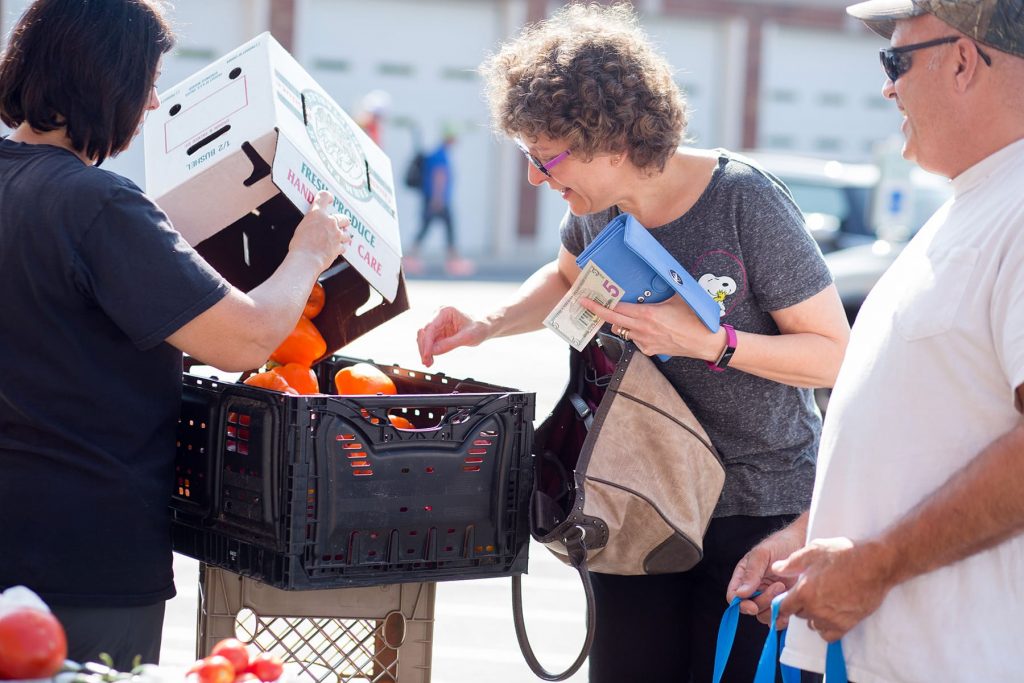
87, 65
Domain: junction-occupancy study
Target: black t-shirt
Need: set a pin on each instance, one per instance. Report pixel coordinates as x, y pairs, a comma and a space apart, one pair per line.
93, 279
745, 242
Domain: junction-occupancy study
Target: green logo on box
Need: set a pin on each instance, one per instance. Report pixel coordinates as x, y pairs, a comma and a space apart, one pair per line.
336, 143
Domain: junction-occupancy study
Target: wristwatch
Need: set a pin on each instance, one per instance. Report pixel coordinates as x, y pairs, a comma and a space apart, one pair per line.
730, 348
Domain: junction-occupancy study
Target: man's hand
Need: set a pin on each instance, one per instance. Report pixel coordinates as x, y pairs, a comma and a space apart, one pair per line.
838, 584
753, 572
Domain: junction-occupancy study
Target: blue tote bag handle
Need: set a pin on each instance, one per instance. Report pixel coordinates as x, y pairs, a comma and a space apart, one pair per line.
835, 664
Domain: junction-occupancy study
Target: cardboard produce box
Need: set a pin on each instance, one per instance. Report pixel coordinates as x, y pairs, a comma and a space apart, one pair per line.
235, 155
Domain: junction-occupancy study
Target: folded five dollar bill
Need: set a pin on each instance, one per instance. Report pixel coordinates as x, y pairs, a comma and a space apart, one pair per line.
575, 324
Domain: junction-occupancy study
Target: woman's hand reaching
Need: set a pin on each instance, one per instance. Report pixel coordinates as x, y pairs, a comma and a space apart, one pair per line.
450, 329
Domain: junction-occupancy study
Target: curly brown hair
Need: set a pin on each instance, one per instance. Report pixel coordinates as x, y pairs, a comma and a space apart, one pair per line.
588, 75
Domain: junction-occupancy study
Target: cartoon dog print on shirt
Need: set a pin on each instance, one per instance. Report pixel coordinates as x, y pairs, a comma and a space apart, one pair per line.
718, 287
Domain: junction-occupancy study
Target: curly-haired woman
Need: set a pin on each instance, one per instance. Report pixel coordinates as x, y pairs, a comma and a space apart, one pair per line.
601, 121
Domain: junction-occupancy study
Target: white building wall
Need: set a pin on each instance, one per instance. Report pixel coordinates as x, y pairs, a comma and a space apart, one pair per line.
821, 93
819, 90
694, 48
423, 54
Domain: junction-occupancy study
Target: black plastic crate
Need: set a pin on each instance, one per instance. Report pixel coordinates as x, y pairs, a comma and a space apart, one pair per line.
322, 492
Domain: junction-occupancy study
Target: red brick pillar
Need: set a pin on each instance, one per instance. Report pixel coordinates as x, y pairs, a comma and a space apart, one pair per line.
752, 86
536, 10
282, 22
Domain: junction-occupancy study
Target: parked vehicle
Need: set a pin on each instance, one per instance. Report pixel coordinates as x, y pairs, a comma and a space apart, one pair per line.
834, 196
838, 200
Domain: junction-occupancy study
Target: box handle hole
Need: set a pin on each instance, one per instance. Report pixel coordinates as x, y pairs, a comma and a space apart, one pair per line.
393, 630
208, 139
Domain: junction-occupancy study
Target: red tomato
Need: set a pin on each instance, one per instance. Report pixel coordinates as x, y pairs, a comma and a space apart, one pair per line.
266, 666
32, 644
234, 651
213, 669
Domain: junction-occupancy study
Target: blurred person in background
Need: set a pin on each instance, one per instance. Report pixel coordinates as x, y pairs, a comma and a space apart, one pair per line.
600, 120
372, 112
102, 296
914, 549
438, 181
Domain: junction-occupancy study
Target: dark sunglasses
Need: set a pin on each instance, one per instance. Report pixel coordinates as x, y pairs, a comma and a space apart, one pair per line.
896, 60
540, 165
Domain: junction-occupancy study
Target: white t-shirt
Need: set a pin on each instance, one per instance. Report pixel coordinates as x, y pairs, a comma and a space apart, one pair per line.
927, 383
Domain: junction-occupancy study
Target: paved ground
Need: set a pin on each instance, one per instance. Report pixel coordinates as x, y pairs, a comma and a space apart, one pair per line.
473, 633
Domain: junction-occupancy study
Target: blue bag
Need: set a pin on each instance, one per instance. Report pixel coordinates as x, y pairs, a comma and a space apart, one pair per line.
835, 665
628, 253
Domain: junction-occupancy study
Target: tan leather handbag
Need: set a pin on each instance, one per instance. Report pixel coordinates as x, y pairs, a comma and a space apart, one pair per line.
625, 478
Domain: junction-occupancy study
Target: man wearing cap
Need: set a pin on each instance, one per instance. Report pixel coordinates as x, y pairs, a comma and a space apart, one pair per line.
916, 552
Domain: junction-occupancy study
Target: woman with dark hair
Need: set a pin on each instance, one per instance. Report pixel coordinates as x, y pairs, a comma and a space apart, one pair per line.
93, 85
102, 296
600, 119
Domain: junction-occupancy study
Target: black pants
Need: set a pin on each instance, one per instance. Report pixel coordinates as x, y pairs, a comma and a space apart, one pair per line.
665, 627
121, 632
428, 216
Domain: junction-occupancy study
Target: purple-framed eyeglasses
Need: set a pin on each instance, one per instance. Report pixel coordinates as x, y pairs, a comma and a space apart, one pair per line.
544, 168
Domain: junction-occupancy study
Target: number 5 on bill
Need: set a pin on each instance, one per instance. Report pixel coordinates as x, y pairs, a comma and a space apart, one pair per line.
575, 324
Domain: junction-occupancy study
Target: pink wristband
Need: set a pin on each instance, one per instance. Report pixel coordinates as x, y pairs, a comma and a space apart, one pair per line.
730, 348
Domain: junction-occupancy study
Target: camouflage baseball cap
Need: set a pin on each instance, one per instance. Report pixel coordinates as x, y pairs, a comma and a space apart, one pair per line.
996, 23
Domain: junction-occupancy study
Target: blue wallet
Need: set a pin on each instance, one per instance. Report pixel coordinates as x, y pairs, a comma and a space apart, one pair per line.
628, 253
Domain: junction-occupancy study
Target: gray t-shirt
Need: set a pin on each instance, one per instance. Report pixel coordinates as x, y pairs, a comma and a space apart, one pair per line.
744, 240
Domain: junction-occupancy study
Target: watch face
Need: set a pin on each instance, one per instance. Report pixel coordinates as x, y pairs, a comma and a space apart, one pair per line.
730, 347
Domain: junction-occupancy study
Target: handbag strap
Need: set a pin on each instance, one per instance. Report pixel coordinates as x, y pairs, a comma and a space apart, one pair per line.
587, 368
575, 544
583, 411
835, 663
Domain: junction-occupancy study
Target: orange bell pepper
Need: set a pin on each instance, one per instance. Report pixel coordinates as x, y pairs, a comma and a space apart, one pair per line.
303, 346
270, 380
397, 421
400, 422
315, 302
363, 378
299, 377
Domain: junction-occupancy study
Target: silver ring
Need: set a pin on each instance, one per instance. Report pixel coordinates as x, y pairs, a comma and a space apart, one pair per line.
624, 333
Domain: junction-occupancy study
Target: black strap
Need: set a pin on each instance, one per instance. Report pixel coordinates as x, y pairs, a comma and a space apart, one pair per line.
575, 544
583, 410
